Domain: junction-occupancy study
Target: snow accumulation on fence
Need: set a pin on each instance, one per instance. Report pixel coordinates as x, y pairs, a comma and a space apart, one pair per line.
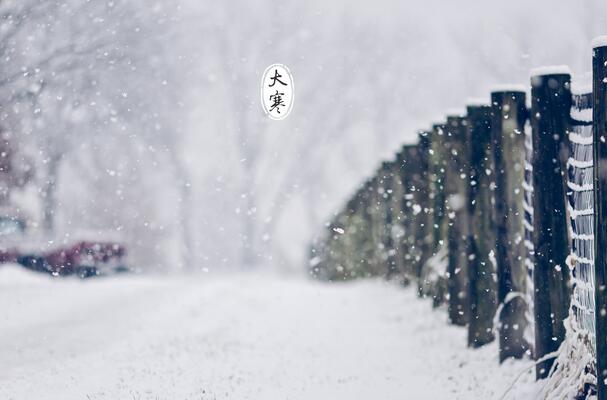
456, 112
550, 70
477, 101
599, 41
581, 205
531, 208
528, 229
581, 209
509, 87
579, 88
575, 366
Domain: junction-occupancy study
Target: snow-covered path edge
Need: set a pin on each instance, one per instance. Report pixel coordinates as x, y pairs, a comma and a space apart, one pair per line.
235, 337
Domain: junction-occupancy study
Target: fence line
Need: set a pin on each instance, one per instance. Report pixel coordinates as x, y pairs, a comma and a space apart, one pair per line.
497, 215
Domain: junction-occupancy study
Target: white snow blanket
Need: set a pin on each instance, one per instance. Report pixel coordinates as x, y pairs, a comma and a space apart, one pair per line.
233, 337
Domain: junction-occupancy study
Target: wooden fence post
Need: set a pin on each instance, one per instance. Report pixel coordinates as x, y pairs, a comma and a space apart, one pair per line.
550, 121
432, 282
509, 114
368, 247
400, 217
456, 181
410, 176
599, 127
375, 226
481, 238
528, 237
333, 247
440, 148
423, 200
387, 210
354, 235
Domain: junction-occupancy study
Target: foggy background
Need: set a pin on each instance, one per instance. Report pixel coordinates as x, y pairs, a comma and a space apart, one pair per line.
142, 119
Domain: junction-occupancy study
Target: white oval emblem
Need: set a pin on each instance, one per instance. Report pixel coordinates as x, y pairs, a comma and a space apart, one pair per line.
277, 91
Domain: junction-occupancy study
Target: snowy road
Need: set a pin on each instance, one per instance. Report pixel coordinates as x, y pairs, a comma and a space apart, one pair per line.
232, 337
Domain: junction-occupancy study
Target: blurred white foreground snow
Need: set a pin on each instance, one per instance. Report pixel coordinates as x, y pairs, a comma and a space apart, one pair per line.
233, 337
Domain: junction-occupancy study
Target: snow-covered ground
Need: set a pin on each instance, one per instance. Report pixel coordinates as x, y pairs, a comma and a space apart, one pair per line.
233, 337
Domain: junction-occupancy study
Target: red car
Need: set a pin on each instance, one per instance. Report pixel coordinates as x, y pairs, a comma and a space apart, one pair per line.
84, 258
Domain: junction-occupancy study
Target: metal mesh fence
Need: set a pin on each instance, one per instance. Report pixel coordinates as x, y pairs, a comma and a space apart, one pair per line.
528, 224
581, 213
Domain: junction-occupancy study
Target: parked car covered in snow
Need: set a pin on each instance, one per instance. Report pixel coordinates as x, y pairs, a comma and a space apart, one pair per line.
81, 254
82, 258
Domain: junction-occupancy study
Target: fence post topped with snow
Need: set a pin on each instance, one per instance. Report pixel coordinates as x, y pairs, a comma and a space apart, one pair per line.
423, 200
481, 237
550, 121
599, 127
509, 115
456, 181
